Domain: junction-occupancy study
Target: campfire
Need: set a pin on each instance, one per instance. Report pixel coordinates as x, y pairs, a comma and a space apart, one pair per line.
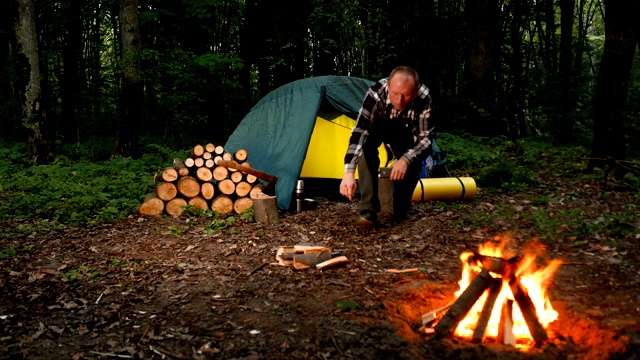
502, 296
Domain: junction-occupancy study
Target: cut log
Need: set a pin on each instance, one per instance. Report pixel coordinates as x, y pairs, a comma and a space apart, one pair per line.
204, 174
303, 261
197, 150
180, 167
169, 175
166, 190
309, 249
447, 325
188, 186
198, 162
219, 150
256, 192
189, 162
240, 155
538, 333
385, 195
336, 261
175, 207
243, 188
227, 186
151, 205
505, 329
220, 173
209, 163
236, 177
199, 202
207, 190
251, 179
222, 204
227, 156
242, 204
265, 209
210, 147
216, 159
206, 155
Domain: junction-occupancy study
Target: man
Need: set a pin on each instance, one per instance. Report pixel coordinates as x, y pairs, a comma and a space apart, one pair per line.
395, 111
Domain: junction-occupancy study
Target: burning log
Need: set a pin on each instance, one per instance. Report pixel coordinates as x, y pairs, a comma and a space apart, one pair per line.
483, 321
525, 304
505, 331
447, 325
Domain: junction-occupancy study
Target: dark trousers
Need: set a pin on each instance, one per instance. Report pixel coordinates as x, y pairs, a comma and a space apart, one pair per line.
400, 139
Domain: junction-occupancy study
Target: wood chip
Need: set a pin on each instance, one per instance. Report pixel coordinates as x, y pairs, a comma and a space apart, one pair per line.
402, 271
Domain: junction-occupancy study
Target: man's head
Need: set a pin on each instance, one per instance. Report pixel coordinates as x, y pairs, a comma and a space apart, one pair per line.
403, 86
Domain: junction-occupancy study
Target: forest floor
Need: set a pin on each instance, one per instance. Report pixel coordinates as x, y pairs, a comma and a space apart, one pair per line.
164, 288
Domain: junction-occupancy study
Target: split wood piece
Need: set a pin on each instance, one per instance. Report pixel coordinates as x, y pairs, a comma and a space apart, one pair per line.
199, 202
309, 249
209, 163
336, 261
280, 255
217, 159
180, 167
210, 147
166, 190
385, 194
207, 190
198, 162
479, 333
197, 150
447, 325
220, 173
505, 330
222, 204
169, 174
402, 271
227, 187
189, 162
175, 207
430, 317
204, 174
305, 261
240, 155
538, 333
207, 155
265, 209
243, 188
219, 150
151, 205
236, 177
242, 204
188, 186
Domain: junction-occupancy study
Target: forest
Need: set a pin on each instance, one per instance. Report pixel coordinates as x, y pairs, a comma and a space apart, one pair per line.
537, 100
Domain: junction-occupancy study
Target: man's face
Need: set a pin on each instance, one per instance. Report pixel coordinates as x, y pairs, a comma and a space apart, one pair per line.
401, 91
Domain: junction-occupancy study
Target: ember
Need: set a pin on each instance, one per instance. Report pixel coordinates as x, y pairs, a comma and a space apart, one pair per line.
501, 296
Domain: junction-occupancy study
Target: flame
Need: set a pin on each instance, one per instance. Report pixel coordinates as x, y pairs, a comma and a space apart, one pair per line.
534, 280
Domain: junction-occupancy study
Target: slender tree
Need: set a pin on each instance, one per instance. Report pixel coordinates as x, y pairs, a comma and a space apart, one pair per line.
40, 134
132, 89
621, 39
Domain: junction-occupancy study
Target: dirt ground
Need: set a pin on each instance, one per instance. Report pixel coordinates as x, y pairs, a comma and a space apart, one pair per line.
161, 288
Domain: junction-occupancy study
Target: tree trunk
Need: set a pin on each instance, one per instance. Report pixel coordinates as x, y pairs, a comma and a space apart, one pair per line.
613, 79
132, 90
563, 122
40, 135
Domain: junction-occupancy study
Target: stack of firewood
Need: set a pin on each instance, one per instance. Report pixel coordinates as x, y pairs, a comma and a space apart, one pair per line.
199, 181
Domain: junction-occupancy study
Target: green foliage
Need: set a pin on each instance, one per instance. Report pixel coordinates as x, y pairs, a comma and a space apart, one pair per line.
77, 192
505, 176
219, 225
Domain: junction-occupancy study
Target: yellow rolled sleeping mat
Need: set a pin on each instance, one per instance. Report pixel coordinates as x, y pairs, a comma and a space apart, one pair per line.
452, 188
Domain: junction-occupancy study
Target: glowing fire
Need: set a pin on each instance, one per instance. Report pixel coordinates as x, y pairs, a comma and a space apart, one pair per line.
534, 280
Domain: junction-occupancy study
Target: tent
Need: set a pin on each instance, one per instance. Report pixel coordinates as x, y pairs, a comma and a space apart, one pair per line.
301, 130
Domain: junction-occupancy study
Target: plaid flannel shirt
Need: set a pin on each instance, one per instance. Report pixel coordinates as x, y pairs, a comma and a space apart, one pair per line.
374, 107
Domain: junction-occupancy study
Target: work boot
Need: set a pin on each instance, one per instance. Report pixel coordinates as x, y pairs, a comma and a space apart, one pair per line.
367, 218
401, 217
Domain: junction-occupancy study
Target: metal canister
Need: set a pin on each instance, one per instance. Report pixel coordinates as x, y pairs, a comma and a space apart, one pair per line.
299, 195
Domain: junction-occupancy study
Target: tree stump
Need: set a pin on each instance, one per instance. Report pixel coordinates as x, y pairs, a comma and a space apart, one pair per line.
265, 209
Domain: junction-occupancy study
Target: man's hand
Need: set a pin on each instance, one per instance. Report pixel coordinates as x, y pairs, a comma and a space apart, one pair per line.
398, 169
348, 185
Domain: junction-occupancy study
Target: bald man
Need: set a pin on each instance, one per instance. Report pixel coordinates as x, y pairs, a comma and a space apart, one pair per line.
395, 110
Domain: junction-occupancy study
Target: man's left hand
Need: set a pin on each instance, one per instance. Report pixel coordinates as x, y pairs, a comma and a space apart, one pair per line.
398, 169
